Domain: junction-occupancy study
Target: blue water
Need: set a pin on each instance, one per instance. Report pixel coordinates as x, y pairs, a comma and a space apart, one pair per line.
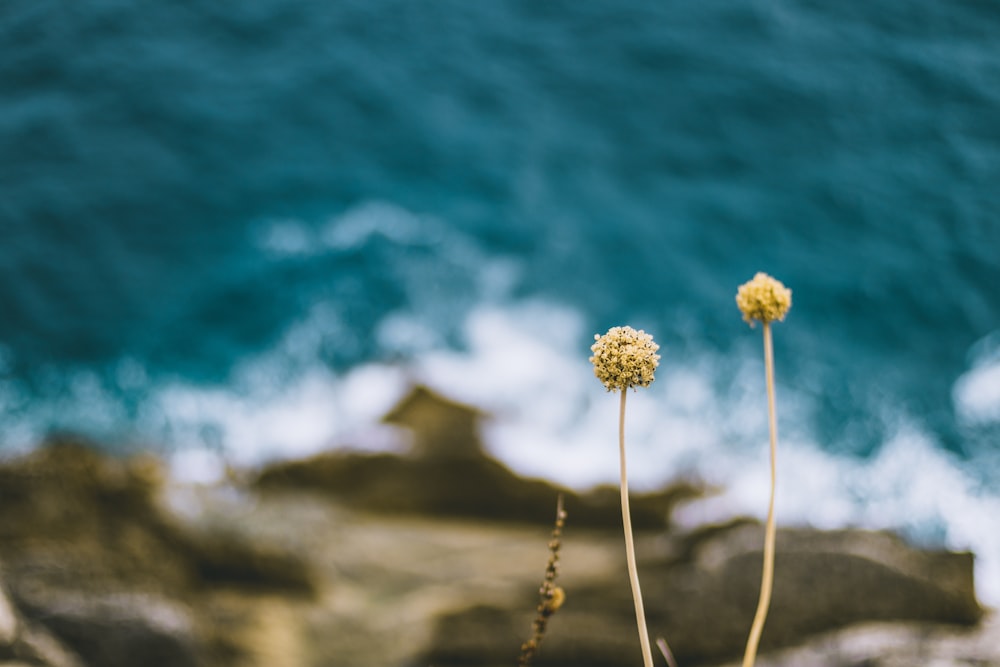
243, 229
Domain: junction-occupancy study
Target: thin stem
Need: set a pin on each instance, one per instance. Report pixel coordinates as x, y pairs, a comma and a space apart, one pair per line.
640, 615
767, 578
661, 644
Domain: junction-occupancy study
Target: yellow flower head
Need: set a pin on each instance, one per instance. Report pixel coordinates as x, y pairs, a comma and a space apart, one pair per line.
624, 358
764, 299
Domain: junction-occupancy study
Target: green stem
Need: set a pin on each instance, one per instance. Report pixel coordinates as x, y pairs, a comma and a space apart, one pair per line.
640, 615
767, 577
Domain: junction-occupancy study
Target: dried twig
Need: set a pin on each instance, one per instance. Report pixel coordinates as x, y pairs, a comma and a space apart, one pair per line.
551, 596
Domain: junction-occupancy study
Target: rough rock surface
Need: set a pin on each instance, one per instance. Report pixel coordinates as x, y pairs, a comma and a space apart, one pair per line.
25, 643
100, 573
898, 644
462, 487
93, 563
69, 510
120, 628
703, 603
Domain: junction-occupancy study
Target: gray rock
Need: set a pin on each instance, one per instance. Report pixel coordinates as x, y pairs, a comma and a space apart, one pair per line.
701, 594
823, 581
114, 630
23, 643
895, 645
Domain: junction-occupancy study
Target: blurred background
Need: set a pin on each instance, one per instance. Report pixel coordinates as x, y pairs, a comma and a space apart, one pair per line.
237, 233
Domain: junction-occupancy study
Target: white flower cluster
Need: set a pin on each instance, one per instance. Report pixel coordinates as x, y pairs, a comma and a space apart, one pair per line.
624, 358
763, 298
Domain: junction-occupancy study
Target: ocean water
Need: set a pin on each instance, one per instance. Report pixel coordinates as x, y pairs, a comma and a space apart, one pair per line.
239, 233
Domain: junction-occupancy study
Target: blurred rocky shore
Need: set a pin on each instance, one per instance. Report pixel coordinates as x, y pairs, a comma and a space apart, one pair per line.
434, 558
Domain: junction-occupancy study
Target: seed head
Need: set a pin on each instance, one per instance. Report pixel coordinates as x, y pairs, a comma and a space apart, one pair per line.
624, 358
763, 298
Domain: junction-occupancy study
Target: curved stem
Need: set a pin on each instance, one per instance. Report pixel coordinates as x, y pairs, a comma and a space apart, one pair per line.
640, 615
767, 578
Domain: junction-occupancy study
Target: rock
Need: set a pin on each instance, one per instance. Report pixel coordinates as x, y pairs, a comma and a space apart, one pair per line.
473, 487
24, 643
77, 516
95, 565
823, 580
38, 647
92, 558
440, 426
118, 629
449, 475
229, 559
73, 515
703, 602
895, 645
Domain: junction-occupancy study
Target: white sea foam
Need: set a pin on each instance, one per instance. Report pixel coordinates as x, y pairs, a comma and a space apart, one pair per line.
267, 412
977, 392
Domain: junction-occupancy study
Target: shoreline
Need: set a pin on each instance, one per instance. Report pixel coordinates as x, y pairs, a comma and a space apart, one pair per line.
293, 574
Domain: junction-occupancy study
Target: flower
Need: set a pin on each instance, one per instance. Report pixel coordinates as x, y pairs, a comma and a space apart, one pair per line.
624, 358
763, 298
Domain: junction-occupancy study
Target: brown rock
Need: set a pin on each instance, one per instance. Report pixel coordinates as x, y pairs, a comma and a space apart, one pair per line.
108, 570
92, 558
440, 426
472, 487
703, 604
448, 474
75, 517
